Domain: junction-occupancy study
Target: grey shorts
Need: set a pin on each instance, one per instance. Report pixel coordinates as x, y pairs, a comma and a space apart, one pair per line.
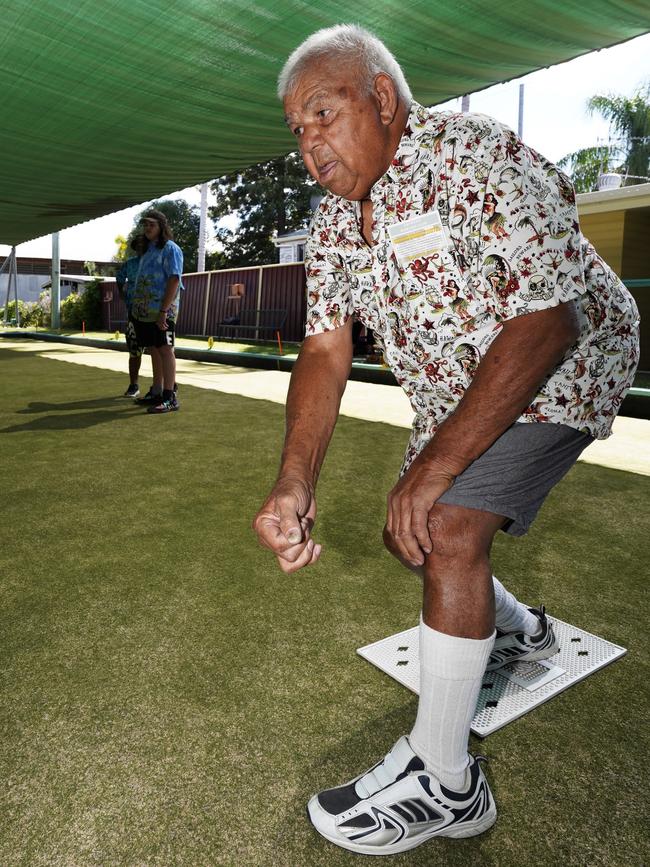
514, 476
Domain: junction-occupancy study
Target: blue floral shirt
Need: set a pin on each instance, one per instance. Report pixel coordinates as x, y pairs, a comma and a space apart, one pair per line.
126, 278
155, 268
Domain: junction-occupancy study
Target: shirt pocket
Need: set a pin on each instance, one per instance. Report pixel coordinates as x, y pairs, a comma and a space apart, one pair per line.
439, 294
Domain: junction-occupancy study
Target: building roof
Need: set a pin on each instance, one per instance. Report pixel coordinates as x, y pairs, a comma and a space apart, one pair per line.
77, 278
41, 265
622, 199
298, 235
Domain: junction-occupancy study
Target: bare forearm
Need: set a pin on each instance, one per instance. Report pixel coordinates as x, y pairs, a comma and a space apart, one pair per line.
505, 383
170, 292
317, 385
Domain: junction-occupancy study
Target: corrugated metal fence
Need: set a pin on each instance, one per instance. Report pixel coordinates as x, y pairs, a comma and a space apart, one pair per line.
209, 299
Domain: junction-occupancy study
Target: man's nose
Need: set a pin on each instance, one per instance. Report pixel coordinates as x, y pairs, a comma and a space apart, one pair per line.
311, 138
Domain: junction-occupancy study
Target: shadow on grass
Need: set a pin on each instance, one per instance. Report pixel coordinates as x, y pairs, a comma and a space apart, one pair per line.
95, 403
40, 350
73, 421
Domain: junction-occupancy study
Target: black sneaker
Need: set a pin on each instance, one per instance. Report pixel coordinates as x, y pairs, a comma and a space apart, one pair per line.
168, 405
149, 399
518, 647
132, 391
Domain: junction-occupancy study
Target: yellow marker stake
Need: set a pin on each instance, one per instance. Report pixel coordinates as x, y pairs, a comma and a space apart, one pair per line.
210, 342
117, 335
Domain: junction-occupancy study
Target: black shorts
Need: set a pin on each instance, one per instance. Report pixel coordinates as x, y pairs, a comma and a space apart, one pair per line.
514, 476
148, 333
135, 350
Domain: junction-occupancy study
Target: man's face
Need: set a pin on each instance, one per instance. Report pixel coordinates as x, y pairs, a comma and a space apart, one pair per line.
342, 138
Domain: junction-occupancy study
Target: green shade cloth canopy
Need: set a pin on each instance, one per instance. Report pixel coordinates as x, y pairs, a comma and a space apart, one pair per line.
108, 104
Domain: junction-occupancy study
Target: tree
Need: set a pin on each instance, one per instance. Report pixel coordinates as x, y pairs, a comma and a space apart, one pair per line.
84, 307
628, 154
122, 251
184, 220
267, 198
584, 167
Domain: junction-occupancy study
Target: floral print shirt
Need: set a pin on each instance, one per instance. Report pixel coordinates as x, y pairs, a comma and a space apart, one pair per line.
511, 244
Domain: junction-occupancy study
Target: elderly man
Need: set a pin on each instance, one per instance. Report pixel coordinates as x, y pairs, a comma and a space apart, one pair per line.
460, 248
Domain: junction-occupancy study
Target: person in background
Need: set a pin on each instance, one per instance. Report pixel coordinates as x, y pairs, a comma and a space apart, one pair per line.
126, 278
156, 300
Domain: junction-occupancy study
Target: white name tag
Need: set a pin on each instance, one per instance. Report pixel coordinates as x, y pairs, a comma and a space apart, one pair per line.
418, 237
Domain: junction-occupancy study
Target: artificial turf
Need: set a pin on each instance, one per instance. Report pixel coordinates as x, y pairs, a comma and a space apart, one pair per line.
168, 697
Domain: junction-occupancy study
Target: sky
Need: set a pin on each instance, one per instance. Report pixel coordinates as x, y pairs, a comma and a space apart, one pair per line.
555, 124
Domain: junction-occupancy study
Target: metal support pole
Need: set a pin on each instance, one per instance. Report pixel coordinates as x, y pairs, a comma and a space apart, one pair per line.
8, 266
260, 280
520, 123
206, 304
13, 275
55, 291
202, 227
464, 105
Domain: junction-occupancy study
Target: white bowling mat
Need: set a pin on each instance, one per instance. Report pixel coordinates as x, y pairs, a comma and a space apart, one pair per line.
513, 690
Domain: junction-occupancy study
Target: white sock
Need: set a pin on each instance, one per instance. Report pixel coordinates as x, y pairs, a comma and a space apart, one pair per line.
510, 614
451, 671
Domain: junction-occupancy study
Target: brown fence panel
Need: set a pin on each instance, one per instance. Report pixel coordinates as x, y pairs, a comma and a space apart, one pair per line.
113, 310
221, 306
190, 317
283, 288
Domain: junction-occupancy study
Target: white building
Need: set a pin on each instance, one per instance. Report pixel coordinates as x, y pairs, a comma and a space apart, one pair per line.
72, 284
291, 246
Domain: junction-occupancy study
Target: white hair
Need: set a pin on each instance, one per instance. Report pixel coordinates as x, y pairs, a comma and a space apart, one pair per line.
345, 43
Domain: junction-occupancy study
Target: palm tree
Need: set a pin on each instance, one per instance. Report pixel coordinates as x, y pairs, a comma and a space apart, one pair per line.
629, 152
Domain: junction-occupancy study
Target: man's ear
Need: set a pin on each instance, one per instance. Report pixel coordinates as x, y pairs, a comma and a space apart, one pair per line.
386, 95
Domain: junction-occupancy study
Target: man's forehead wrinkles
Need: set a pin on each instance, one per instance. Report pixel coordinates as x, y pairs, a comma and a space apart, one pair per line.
308, 104
321, 93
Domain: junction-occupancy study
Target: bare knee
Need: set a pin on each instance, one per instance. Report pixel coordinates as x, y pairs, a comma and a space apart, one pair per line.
459, 534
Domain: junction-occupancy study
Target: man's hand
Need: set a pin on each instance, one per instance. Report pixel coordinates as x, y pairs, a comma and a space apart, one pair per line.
284, 524
409, 504
161, 322
318, 380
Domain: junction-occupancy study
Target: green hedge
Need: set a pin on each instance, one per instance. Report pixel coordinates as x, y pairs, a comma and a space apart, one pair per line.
75, 309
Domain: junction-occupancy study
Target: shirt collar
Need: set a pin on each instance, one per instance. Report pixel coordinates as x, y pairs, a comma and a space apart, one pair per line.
403, 163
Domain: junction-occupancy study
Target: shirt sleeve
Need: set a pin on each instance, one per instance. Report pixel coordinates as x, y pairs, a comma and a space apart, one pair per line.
329, 299
121, 276
513, 218
172, 260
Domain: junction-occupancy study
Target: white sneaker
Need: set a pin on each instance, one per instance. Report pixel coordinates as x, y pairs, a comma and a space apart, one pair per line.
398, 804
519, 647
